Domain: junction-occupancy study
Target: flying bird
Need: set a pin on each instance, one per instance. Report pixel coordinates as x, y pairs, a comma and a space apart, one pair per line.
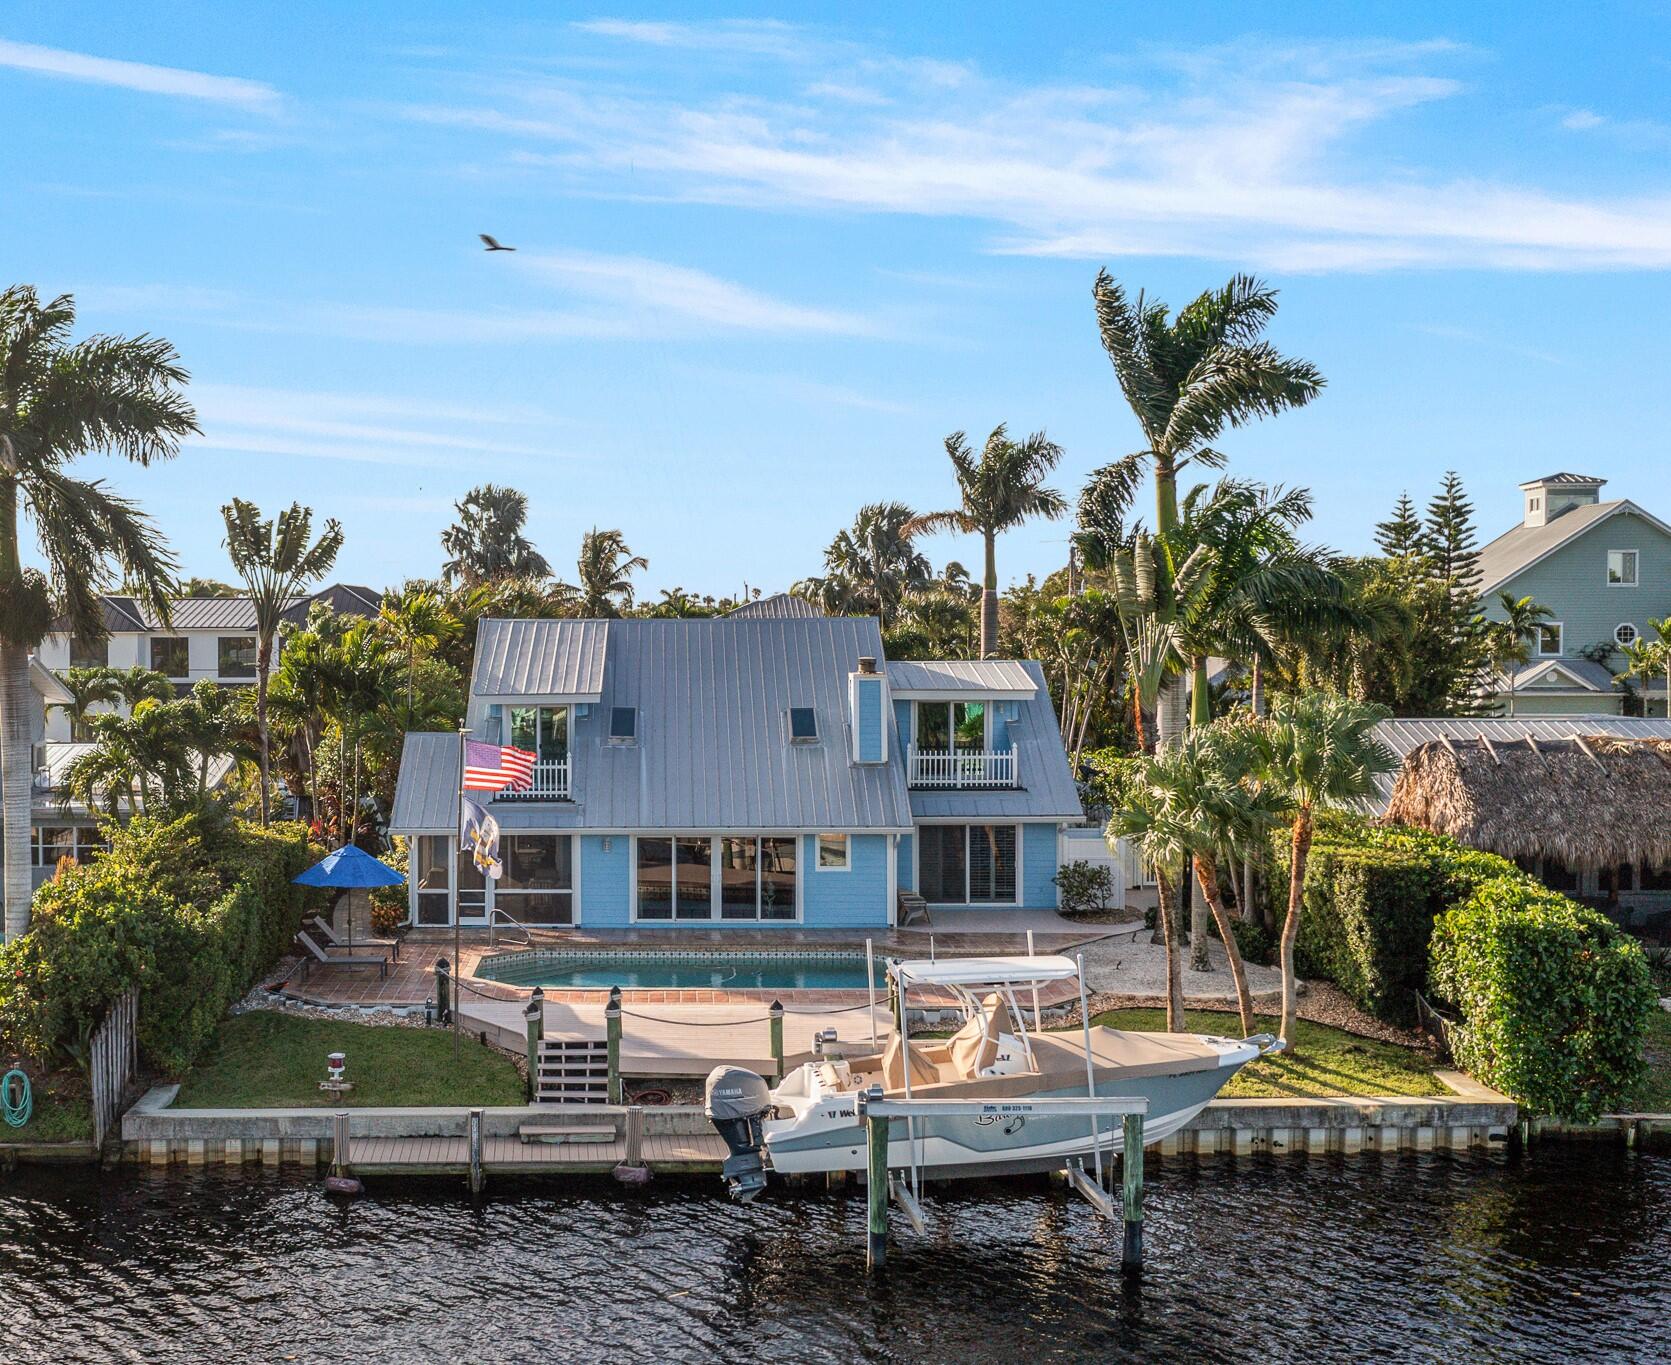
491, 244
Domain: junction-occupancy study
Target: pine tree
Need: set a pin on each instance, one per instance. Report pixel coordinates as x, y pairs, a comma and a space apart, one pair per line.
1449, 533
1400, 536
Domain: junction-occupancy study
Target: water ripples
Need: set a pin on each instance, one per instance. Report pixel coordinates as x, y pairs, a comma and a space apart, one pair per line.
1561, 1254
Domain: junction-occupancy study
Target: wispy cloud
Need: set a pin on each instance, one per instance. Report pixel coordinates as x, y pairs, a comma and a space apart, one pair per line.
1252, 154
152, 80
752, 37
655, 291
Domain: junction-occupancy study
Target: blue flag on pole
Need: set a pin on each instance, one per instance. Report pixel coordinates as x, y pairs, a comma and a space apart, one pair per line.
479, 832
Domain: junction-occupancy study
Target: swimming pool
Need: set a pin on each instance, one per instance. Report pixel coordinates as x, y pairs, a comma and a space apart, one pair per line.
659, 970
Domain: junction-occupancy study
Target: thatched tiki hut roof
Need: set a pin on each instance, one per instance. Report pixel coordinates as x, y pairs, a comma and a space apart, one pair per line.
1592, 802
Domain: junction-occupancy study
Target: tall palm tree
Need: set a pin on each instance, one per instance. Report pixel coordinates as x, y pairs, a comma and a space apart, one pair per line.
1510, 640
277, 560
144, 758
1186, 378
1145, 815
1316, 751
88, 687
603, 585
419, 623
1000, 490
60, 399
486, 542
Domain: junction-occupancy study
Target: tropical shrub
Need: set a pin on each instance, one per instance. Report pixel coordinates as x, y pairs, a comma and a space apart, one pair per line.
388, 903
1084, 886
192, 910
1554, 998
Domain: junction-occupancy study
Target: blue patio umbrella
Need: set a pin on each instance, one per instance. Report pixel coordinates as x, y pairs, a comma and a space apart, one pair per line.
349, 868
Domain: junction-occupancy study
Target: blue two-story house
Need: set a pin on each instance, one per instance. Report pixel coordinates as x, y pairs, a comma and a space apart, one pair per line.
739, 771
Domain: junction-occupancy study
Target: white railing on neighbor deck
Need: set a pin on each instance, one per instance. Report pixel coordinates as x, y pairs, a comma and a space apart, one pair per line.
962, 767
551, 783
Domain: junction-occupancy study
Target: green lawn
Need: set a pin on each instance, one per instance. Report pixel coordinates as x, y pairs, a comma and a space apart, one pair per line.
264, 1059
1329, 1061
1653, 1096
62, 1113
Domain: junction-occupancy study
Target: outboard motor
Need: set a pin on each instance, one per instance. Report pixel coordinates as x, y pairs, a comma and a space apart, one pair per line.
737, 1103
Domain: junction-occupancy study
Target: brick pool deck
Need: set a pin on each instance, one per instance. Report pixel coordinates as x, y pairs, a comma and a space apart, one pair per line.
411, 980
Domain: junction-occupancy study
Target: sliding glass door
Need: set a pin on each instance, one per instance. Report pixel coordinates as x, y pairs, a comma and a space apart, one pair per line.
732, 877
538, 884
967, 864
948, 726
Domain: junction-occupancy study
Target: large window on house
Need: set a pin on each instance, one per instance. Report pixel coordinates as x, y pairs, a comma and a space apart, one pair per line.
728, 877
1549, 639
429, 877
89, 653
946, 725
538, 883
1621, 568
236, 656
171, 655
542, 730
967, 864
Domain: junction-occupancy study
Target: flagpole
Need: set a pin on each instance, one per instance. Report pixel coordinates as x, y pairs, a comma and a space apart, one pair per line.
458, 834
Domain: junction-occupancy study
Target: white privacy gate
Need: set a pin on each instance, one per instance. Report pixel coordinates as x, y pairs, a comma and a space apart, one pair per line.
1086, 844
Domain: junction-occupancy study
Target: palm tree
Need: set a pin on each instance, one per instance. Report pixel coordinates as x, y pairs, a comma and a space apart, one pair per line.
419, 623
604, 573
876, 561
59, 400
277, 560
1151, 595
486, 542
1510, 639
136, 684
143, 758
1316, 751
1000, 491
1188, 377
1644, 658
88, 687
1144, 815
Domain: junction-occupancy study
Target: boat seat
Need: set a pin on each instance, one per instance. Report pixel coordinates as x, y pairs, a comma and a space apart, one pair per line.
923, 1070
974, 1047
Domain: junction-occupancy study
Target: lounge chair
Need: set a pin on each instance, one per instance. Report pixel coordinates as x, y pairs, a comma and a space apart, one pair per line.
313, 953
335, 940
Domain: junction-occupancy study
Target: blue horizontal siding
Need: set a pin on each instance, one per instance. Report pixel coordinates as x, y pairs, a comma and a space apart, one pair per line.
854, 899
907, 863
605, 881
1038, 867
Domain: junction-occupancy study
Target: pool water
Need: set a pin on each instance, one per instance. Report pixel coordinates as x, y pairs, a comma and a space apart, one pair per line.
688, 971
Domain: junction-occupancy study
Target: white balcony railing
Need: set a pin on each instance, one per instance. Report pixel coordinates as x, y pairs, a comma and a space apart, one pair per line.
551, 783
961, 768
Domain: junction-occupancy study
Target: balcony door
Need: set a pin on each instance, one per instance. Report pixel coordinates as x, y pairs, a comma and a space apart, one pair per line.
950, 727
967, 864
544, 731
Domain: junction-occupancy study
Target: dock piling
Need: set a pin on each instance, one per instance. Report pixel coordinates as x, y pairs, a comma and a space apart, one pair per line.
876, 1178
1131, 1165
776, 1026
474, 1132
340, 1157
612, 1026
534, 1022
443, 990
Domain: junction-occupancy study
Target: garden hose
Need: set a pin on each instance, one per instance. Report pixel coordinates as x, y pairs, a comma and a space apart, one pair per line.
16, 1110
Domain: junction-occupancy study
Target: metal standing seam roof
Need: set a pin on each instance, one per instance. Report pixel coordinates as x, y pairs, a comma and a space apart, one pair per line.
1522, 546
47, 804
124, 613
539, 658
1403, 735
908, 676
712, 750
1048, 791
779, 606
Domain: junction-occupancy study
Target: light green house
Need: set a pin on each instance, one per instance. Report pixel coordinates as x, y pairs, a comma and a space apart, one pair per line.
1604, 570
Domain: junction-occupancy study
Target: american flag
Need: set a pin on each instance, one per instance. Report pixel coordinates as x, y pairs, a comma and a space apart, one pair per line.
490, 768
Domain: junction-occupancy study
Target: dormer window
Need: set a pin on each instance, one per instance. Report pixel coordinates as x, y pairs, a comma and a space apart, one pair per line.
803, 725
1621, 568
623, 725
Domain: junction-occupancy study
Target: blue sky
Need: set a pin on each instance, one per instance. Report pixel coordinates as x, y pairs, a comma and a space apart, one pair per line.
766, 266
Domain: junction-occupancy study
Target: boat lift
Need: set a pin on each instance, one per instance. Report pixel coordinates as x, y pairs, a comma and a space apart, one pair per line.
875, 1112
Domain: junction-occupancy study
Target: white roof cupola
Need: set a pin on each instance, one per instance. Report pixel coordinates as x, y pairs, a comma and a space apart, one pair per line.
1548, 497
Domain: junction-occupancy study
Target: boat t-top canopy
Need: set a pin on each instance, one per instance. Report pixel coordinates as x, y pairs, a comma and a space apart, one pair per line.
983, 971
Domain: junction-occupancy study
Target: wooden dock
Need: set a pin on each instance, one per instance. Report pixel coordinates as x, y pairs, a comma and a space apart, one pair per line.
675, 1153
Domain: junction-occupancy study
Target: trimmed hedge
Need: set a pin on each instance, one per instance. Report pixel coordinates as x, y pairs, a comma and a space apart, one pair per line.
192, 909
1555, 1000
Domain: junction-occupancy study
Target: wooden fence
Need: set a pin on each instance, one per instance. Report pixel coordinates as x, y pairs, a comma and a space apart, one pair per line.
114, 1060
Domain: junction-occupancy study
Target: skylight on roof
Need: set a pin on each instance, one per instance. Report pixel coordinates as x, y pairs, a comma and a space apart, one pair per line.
803, 725
623, 724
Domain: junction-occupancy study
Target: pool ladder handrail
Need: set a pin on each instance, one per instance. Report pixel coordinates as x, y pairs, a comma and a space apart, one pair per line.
494, 916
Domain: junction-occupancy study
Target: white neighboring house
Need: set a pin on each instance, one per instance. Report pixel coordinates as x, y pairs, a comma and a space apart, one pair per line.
209, 637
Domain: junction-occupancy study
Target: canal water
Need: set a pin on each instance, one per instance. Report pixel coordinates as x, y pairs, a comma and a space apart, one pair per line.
1565, 1254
